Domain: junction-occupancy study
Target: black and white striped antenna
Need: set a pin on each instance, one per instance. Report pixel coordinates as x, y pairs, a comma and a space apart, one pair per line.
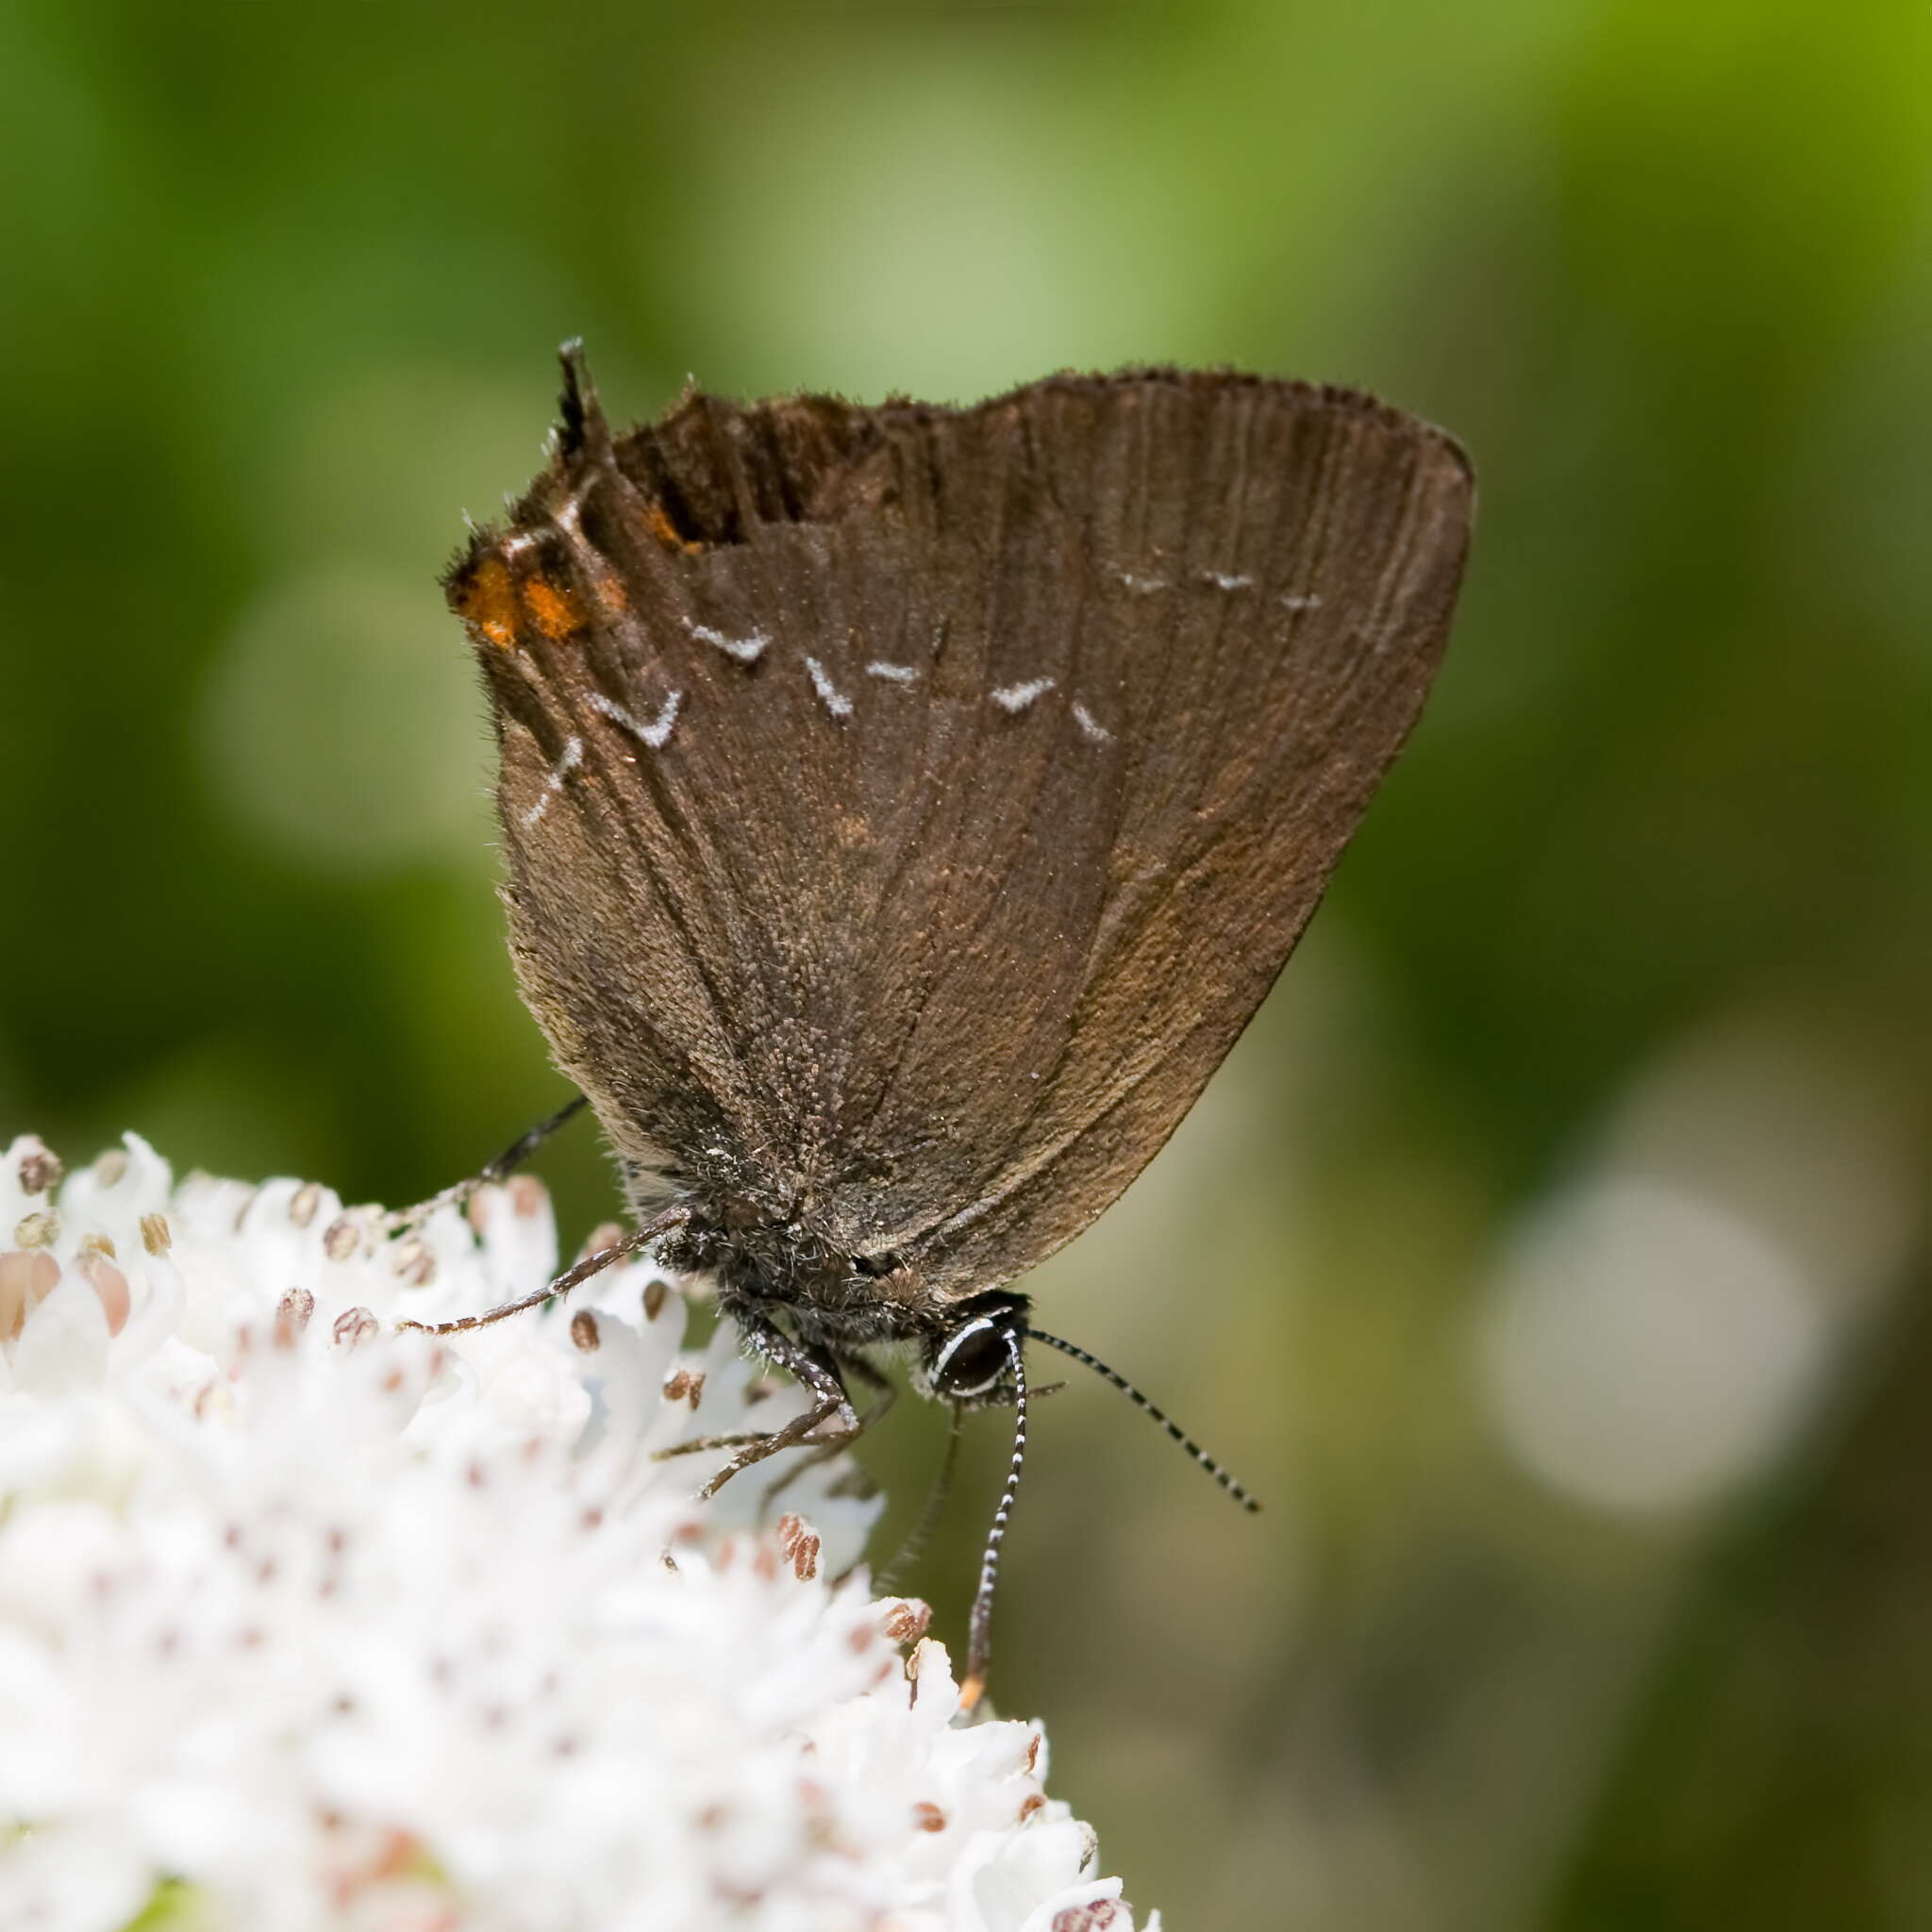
979, 1634
1159, 1415
979, 1637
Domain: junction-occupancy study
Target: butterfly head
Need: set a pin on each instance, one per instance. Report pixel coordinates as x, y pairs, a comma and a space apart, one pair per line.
970, 1361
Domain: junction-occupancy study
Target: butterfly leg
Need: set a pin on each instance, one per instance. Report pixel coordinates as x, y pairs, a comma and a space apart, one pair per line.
699, 1446
937, 1496
580, 1272
813, 1370
824, 1448
703, 1445
400, 1220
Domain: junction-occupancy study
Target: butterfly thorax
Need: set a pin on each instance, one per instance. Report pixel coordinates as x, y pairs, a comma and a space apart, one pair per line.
786, 1266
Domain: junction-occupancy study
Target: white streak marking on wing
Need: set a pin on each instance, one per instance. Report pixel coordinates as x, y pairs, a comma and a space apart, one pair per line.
747, 649
1300, 600
656, 734
834, 700
1142, 587
572, 756
1091, 729
892, 673
1016, 697
1227, 580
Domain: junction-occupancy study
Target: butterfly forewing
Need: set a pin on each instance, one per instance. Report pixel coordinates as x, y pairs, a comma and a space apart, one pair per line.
906, 808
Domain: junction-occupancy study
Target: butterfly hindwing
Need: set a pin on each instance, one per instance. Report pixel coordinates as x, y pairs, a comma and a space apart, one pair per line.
906, 807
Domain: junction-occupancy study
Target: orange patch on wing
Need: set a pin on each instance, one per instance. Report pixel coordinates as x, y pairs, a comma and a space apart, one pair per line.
553, 610
486, 600
659, 524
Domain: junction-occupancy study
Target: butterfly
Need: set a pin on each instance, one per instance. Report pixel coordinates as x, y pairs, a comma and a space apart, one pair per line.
905, 808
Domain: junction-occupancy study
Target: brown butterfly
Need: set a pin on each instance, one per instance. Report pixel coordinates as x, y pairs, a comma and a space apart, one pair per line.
906, 807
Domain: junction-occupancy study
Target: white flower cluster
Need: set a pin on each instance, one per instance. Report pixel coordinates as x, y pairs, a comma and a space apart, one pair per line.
305, 1622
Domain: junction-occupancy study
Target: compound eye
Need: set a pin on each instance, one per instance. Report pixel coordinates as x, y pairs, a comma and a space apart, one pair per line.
972, 1361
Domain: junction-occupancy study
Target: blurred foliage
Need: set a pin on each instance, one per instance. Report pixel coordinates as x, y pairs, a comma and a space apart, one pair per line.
1647, 906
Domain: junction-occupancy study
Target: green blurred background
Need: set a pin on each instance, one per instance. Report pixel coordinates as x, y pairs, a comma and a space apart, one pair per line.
1551, 1252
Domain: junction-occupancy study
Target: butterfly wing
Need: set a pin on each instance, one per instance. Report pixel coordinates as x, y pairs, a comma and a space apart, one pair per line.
906, 808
